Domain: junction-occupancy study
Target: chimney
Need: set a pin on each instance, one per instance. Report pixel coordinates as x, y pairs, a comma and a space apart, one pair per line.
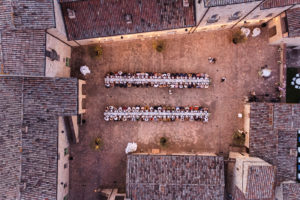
71, 14
128, 19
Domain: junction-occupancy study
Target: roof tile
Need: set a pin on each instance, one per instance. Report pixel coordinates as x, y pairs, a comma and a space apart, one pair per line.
33, 14
29, 108
175, 177
278, 3
23, 52
293, 21
107, 17
273, 136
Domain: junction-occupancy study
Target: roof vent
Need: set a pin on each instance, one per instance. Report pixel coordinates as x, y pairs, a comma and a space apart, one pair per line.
293, 152
186, 3
214, 18
25, 129
71, 14
128, 19
236, 15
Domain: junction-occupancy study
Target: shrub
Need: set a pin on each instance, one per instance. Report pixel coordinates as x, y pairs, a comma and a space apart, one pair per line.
95, 51
96, 144
239, 138
159, 46
238, 37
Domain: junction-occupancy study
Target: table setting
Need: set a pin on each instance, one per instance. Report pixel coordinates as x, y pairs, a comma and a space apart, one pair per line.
156, 113
157, 80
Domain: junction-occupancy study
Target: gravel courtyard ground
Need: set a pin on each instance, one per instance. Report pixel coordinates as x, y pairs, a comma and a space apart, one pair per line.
184, 53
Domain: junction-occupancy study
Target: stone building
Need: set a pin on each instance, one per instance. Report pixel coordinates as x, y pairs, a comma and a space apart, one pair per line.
216, 15
38, 103
273, 131
269, 9
120, 20
253, 178
25, 27
181, 176
117, 20
285, 28
30, 109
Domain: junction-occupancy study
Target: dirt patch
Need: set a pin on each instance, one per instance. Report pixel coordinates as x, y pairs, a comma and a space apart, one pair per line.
183, 53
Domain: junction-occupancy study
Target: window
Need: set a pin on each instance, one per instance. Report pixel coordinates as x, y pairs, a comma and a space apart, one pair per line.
213, 19
256, 16
272, 31
235, 16
66, 151
66, 165
68, 62
65, 185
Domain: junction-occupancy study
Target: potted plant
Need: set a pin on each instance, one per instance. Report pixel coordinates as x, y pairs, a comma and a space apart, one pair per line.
95, 51
96, 144
239, 138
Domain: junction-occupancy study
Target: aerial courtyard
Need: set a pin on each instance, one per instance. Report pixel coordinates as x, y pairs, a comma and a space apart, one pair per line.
186, 53
150, 100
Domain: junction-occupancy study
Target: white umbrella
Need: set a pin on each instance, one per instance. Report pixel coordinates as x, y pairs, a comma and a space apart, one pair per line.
85, 70
246, 31
266, 72
256, 32
131, 147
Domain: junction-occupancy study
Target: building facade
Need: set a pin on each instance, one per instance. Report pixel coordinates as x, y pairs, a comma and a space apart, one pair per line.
116, 21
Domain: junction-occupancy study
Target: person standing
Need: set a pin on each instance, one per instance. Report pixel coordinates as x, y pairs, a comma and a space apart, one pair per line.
223, 79
212, 60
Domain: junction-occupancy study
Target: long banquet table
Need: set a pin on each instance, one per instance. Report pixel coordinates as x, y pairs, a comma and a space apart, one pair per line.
119, 114
157, 80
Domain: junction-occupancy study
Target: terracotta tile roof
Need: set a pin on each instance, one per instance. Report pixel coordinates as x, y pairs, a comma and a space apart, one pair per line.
10, 137
273, 136
23, 52
213, 3
291, 191
293, 21
32, 14
107, 17
29, 110
175, 177
23, 37
260, 182
278, 3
